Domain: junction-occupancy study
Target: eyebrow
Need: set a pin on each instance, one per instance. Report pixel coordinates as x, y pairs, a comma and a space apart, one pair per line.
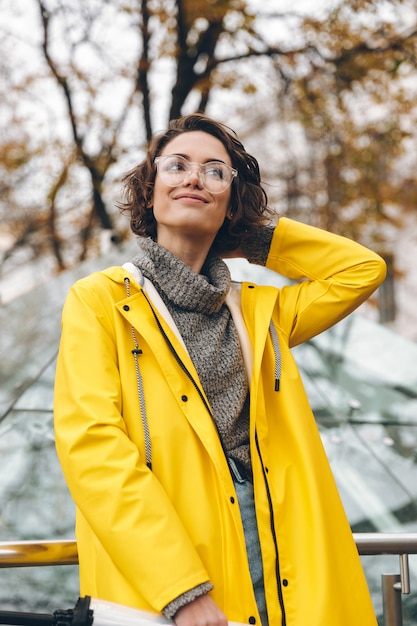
187, 157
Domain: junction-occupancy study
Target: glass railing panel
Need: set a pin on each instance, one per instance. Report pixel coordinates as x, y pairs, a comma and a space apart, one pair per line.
30, 327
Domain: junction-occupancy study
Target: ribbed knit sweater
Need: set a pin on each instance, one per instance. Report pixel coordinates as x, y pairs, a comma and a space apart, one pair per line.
197, 305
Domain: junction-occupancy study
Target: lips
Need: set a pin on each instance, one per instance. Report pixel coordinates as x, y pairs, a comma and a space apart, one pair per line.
190, 196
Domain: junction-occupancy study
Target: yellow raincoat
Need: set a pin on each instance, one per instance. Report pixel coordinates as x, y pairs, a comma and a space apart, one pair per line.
145, 536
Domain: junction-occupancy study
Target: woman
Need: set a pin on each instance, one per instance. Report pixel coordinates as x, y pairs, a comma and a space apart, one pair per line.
185, 435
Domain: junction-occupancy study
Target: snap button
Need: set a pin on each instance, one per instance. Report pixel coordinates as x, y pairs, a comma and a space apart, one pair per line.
126, 307
184, 398
232, 500
285, 582
252, 620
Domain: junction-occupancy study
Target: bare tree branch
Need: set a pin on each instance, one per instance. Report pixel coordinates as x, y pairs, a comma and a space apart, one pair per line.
143, 69
96, 166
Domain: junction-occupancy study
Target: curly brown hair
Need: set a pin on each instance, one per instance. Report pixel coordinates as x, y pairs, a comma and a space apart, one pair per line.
248, 198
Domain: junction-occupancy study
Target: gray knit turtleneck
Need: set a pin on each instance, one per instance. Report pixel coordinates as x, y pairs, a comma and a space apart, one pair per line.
197, 305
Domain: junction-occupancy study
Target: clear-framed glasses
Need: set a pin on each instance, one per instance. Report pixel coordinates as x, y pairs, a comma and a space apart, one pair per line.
214, 176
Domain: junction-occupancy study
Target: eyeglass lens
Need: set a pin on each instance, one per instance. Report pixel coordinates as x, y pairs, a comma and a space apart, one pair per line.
214, 176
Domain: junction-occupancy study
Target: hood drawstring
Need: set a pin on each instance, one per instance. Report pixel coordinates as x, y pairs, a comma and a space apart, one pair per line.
277, 354
136, 352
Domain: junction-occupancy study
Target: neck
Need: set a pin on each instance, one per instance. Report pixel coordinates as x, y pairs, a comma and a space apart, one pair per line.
190, 250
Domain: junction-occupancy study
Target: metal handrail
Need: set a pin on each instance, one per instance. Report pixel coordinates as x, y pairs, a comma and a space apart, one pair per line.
37, 553
64, 551
385, 543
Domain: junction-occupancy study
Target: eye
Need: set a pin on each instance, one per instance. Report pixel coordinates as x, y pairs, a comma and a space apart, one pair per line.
175, 164
215, 170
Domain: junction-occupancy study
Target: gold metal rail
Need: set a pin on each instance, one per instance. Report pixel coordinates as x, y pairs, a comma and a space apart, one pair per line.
36, 553
64, 551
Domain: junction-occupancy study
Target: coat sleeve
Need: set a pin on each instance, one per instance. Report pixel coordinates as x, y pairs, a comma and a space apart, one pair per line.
123, 502
332, 276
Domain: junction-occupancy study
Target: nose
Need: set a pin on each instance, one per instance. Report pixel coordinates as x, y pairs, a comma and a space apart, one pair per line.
193, 175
